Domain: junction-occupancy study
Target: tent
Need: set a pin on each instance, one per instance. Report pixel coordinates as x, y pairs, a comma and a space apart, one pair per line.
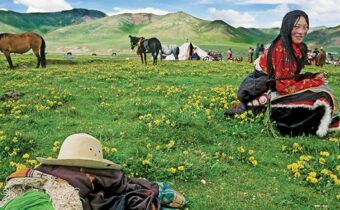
185, 52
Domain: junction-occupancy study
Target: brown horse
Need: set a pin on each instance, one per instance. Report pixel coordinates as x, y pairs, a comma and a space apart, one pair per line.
21, 43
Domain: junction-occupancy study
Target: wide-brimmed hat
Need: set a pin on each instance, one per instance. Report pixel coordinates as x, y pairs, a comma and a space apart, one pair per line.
81, 150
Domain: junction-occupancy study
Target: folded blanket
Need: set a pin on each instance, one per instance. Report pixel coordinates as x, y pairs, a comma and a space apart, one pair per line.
63, 195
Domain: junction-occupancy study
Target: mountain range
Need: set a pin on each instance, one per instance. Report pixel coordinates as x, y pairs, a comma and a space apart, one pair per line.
86, 31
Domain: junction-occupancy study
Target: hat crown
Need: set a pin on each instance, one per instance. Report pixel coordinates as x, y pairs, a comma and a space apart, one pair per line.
81, 146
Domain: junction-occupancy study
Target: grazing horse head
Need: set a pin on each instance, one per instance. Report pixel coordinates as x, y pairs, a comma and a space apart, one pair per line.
134, 41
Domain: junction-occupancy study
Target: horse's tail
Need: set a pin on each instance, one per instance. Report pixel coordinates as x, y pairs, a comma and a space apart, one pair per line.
42, 53
161, 49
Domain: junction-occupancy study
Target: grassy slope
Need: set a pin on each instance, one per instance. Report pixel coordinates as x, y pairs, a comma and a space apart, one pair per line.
106, 97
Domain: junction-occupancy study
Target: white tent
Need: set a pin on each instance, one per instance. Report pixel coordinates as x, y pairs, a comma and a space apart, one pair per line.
185, 51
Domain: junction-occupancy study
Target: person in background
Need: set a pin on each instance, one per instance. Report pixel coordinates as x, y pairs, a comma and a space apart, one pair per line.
195, 55
230, 54
321, 58
250, 55
261, 50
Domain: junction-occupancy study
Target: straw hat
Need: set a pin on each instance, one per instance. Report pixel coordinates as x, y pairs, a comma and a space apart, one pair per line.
81, 150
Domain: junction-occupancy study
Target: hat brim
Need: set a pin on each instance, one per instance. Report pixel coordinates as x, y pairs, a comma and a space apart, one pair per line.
86, 163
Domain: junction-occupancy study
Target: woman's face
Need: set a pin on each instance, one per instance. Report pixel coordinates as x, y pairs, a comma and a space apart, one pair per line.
300, 30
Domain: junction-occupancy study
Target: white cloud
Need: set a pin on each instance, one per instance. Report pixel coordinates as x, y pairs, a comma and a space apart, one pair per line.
3, 9
44, 5
247, 2
272, 17
320, 12
118, 10
233, 17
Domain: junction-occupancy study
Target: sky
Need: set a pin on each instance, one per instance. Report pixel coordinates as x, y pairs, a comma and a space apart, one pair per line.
246, 13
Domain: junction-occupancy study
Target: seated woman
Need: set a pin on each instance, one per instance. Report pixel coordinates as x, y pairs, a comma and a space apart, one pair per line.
82, 179
302, 103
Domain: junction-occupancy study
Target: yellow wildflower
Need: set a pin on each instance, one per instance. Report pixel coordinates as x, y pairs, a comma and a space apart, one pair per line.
305, 157
297, 174
324, 154
158, 148
297, 147
26, 156
157, 122
170, 144
312, 174
1, 185
145, 162
114, 150
172, 170
241, 149
250, 152
322, 161
56, 143
294, 167
181, 168
326, 172
254, 162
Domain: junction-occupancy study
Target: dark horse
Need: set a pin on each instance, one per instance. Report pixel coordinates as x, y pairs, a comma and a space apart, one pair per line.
152, 45
21, 43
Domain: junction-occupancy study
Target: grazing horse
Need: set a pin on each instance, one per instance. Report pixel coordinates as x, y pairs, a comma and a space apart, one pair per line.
152, 45
21, 43
171, 49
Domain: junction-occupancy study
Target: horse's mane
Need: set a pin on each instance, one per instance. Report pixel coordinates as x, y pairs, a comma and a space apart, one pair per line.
2, 35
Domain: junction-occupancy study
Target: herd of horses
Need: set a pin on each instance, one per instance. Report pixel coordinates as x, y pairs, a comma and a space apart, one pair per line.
22, 43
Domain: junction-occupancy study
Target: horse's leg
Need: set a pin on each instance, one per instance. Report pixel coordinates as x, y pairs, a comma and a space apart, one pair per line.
144, 58
36, 53
9, 60
141, 57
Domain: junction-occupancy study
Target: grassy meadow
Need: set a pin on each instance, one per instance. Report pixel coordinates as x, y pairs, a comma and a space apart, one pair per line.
166, 123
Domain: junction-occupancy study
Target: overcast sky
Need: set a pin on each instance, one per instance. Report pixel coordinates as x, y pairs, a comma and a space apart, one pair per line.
246, 13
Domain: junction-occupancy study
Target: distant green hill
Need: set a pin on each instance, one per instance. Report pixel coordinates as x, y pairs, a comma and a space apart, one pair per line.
111, 33
71, 31
44, 22
329, 38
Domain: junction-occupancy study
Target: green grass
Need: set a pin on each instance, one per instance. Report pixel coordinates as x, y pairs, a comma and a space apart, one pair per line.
170, 115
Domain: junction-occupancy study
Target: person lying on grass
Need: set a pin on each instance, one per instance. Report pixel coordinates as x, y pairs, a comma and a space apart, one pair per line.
80, 178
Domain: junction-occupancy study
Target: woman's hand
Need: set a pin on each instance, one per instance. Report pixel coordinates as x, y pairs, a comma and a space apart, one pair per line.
321, 77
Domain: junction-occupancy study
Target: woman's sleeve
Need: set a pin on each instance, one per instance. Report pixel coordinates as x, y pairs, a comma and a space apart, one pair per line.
284, 70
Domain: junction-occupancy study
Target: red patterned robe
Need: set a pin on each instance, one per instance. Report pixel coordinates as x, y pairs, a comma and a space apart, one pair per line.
285, 72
